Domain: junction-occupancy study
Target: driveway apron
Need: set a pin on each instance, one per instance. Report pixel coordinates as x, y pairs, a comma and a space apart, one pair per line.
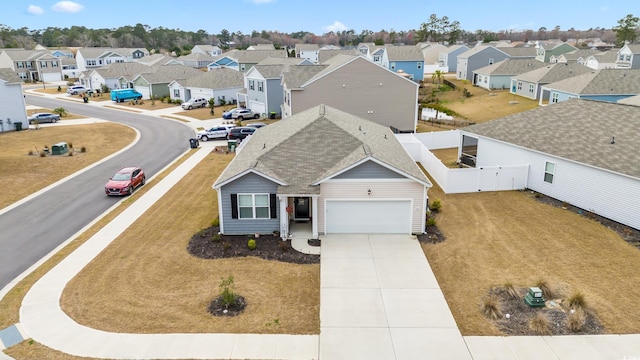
379, 299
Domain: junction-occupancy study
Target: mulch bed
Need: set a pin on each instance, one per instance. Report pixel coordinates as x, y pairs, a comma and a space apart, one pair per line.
629, 234
521, 314
432, 234
209, 244
218, 308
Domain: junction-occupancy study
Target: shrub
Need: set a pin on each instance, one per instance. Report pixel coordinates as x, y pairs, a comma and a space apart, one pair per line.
251, 244
43, 154
540, 325
60, 111
70, 144
105, 89
576, 320
511, 290
70, 153
546, 289
435, 205
59, 88
216, 238
491, 308
227, 295
576, 301
284, 246
83, 149
431, 221
30, 152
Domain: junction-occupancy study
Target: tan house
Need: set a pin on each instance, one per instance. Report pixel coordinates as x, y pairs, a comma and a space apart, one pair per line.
31, 65
355, 85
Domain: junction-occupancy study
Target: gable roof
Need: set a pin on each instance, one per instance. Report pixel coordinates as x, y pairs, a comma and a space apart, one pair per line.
125, 69
196, 57
298, 75
605, 81
283, 61
222, 78
519, 52
325, 54
292, 153
582, 53
404, 53
167, 73
577, 130
27, 55
553, 73
9, 76
251, 56
96, 52
510, 67
477, 49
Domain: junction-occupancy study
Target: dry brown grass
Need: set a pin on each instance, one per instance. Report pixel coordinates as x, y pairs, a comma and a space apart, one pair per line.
492, 237
68, 116
146, 282
205, 113
540, 325
25, 174
448, 156
33, 350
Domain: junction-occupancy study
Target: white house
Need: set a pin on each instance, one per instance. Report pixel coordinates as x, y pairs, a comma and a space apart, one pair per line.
11, 102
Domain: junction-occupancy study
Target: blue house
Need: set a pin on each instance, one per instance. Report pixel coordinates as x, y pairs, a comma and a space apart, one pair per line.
407, 59
608, 85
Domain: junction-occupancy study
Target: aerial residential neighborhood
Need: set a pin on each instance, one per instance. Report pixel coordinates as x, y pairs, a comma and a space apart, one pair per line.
406, 194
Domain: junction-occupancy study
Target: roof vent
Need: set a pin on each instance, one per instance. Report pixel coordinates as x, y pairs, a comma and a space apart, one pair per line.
321, 109
613, 140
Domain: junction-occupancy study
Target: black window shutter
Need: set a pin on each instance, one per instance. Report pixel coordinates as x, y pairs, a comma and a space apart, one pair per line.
234, 206
274, 203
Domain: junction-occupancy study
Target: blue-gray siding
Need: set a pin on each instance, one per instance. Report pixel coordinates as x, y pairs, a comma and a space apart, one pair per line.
369, 170
248, 184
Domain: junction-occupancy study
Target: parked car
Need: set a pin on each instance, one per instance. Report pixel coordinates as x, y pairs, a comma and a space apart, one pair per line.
195, 103
216, 132
242, 114
76, 89
240, 132
122, 95
256, 125
125, 181
227, 114
43, 118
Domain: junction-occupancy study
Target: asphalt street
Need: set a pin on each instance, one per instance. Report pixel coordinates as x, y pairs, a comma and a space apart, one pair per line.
31, 230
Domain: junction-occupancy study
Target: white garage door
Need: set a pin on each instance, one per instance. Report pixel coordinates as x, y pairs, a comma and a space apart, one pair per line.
49, 77
374, 216
257, 107
144, 90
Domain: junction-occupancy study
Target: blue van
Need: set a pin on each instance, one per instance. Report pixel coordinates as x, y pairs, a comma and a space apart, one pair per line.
121, 95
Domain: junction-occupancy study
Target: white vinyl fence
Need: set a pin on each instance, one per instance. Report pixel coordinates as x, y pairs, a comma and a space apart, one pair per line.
460, 180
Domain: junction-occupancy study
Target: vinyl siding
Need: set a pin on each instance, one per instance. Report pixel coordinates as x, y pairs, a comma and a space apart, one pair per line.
369, 170
248, 184
399, 189
613, 196
362, 95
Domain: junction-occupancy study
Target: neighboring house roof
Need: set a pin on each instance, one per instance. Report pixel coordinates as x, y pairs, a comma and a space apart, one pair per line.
577, 130
271, 71
262, 47
27, 55
167, 73
583, 53
553, 73
283, 61
510, 67
431, 53
477, 49
67, 61
155, 59
519, 52
404, 53
303, 47
325, 54
9, 76
305, 149
252, 56
609, 56
634, 48
633, 100
126, 69
298, 75
196, 57
215, 79
605, 81
96, 52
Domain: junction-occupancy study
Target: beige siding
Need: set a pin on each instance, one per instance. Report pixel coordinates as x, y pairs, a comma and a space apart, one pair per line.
400, 190
370, 92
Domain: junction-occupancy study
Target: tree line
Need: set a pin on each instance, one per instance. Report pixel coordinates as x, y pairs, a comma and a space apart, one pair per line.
436, 29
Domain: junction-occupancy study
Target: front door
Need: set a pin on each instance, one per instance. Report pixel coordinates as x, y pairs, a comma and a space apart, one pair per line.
301, 208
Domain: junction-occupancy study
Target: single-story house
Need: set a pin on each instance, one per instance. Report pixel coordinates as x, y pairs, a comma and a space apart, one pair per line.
336, 171
529, 84
608, 85
155, 83
11, 102
578, 151
219, 84
498, 75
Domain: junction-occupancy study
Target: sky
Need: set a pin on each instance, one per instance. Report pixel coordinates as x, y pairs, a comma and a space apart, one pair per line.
318, 17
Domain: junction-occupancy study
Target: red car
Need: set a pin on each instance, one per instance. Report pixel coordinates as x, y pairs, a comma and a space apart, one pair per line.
125, 181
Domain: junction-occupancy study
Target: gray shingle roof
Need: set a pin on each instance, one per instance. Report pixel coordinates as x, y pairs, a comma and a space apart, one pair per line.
553, 72
297, 75
316, 144
168, 73
404, 53
216, 79
9, 76
324, 55
282, 61
252, 56
519, 52
95, 52
577, 130
583, 53
601, 82
511, 67
127, 69
196, 57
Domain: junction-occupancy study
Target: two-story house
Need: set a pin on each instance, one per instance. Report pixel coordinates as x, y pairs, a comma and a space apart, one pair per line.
307, 51
14, 114
90, 58
475, 58
403, 58
529, 84
628, 57
32, 65
545, 51
449, 57
499, 75
219, 84
243, 60
211, 50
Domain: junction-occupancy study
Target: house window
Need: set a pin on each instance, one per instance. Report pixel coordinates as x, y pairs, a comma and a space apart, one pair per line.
29, 65
549, 171
22, 76
260, 86
242, 67
119, 60
252, 85
43, 64
54, 64
627, 58
176, 93
392, 66
519, 85
100, 62
20, 65
621, 57
531, 88
91, 63
490, 61
376, 58
253, 206
419, 65
108, 61
554, 98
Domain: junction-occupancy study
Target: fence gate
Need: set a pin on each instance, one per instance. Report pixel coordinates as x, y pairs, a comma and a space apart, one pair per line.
488, 178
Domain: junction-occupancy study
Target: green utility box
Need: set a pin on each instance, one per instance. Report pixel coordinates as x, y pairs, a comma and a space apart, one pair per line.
60, 148
232, 144
534, 297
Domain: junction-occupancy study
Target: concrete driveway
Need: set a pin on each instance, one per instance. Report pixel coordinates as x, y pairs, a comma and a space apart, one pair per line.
379, 299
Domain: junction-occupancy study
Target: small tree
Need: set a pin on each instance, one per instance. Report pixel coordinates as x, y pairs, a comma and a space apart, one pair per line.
60, 111
227, 295
212, 104
222, 101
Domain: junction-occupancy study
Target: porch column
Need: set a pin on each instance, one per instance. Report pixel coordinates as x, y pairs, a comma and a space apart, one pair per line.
284, 218
314, 217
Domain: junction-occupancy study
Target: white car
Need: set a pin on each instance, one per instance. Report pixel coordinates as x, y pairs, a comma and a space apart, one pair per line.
76, 89
216, 132
195, 103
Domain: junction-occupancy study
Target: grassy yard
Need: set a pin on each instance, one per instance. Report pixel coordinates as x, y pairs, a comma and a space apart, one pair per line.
25, 174
171, 289
67, 116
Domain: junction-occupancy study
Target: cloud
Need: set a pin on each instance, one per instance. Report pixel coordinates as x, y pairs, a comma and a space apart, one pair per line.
67, 6
336, 26
34, 10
